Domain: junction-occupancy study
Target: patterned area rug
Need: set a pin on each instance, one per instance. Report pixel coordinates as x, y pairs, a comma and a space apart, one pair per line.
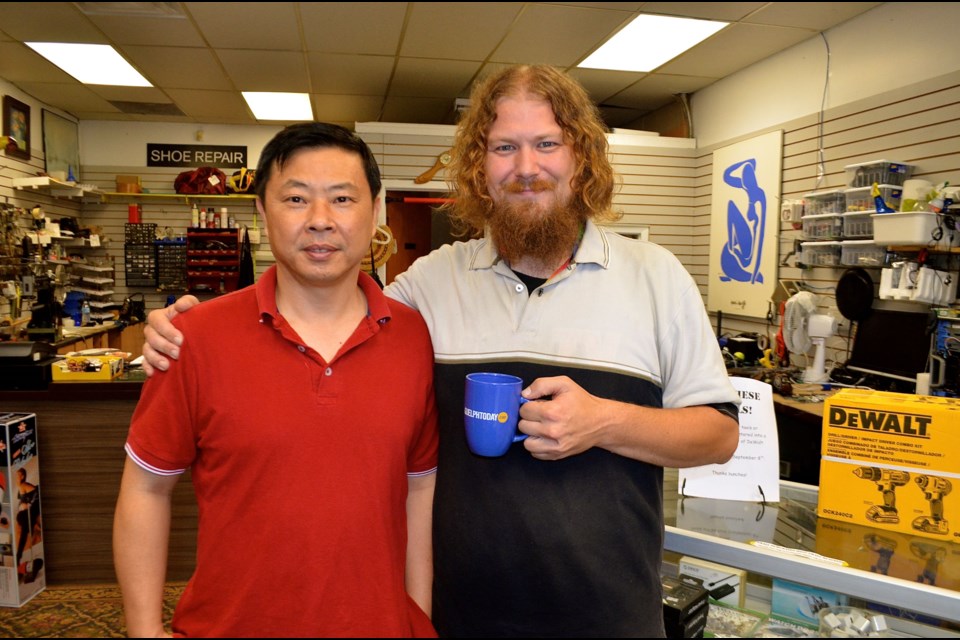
87, 611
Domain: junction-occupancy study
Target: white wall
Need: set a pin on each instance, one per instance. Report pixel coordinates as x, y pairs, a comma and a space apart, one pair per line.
124, 143
894, 45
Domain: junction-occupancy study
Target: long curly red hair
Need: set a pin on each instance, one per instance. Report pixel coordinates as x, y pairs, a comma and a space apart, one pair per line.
594, 179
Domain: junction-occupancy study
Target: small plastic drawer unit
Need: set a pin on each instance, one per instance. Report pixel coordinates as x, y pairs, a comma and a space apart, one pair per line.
861, 199
861, 253
877, 171
820, 254
822, 202
857, 225
823, 227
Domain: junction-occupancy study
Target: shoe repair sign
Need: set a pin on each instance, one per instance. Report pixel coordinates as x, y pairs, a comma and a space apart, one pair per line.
196, 155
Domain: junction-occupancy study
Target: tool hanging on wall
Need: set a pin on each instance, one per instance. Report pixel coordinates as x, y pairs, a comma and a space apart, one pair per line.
442, 161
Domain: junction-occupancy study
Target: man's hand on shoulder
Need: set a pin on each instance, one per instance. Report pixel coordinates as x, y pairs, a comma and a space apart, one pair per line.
163, 340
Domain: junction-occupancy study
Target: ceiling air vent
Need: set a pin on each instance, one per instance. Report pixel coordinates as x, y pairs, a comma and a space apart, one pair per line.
148, 108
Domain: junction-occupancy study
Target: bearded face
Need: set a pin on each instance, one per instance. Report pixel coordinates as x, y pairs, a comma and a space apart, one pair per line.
528, 228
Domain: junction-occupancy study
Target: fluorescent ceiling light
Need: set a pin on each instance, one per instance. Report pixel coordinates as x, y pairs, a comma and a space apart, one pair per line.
267, 105
91, 63
649, 41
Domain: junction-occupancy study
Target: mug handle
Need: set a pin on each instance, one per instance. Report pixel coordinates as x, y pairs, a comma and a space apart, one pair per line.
521, 436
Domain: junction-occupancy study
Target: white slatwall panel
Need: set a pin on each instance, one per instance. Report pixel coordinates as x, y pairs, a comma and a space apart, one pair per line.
172, 214
918, 125
55, 208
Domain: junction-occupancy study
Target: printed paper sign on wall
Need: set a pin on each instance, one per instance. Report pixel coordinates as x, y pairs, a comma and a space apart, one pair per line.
744, 225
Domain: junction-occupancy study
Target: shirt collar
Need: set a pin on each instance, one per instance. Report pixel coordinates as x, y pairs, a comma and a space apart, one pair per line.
593, 248
377, 307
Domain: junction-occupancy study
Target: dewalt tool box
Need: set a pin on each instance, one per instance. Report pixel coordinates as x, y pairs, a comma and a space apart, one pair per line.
891, 461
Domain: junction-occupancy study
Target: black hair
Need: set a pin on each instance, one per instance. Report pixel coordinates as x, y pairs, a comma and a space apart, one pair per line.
306, 135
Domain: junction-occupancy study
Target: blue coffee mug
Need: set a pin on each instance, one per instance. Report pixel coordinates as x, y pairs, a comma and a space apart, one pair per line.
491, 410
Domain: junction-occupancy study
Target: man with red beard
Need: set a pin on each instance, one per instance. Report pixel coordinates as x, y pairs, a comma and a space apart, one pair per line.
563, 535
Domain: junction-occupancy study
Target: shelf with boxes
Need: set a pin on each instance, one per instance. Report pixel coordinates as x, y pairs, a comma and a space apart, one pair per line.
213, 260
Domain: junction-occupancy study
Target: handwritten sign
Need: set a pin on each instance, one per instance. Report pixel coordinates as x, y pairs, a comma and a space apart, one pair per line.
753, 473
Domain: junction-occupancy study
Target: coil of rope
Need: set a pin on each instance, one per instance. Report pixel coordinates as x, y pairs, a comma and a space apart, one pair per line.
382, 247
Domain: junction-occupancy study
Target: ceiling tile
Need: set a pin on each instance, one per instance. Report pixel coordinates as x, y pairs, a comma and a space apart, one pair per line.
340, 108
47, 22
265, 70
20, 63
725, 11
173, 31
70, 97
449, 29
724, 54
603, 83
204, 105
250, 25
431, 78
179, 67
355, 27
558, 35
658, 89
816, 16
350, 74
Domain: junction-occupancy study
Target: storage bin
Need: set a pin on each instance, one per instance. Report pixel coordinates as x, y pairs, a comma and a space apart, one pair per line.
139, 232
820, 254
861, 199
818, 203
823, 227
857, 225
865, 174
861, 253
914, 228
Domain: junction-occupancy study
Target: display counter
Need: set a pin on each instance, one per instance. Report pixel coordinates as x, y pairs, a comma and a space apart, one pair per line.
81, 430
915, 574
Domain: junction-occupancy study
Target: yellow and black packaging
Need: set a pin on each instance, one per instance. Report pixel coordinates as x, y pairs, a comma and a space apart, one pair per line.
891, 461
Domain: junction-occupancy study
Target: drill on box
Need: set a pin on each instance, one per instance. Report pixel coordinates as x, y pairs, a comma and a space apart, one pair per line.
935, 489
887, 481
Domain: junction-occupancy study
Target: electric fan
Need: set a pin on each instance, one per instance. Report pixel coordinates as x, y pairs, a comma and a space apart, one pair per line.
803, 328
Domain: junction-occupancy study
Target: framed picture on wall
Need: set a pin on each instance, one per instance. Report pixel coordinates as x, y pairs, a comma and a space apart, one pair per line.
16, 128
61, 147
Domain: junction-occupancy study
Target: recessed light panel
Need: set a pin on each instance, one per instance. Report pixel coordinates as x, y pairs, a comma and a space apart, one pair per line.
649, 41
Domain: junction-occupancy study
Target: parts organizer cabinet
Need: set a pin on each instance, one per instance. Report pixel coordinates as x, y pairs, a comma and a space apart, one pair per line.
213, 260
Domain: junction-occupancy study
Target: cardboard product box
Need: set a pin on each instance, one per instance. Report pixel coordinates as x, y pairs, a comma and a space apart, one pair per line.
129, 184
891, 553
88, 368
890, 461
685, 606
802, 602
22, 574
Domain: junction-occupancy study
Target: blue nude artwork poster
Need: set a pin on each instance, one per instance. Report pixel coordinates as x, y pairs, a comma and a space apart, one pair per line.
745, 225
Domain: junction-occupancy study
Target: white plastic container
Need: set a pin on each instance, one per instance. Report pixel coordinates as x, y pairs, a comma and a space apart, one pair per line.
818, 203
861, 253
820, 254
918, 228
861, 199
865, 174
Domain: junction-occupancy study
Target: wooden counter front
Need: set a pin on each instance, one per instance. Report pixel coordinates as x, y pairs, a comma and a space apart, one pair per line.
81, 430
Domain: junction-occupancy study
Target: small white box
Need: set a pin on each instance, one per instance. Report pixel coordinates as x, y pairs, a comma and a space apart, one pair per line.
923, 228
